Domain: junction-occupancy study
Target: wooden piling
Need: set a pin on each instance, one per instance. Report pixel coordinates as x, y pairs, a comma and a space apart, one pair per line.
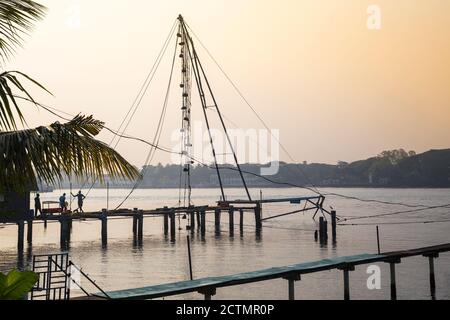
64, 233
333, 225
135, 223
192, 213
30, 232
291, 285
258, 216
432, 275
140, 231
172, 226
166, 224
322, 229
199, 223
104, 220
203, 223
20, 235
241, 220
393, 281
346, 270
231, 221
217, 214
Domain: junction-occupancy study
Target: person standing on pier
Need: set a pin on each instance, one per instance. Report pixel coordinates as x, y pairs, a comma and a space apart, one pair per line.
37, 205
80, 198
62, 203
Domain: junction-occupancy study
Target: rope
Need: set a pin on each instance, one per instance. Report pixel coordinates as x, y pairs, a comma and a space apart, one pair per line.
158, 133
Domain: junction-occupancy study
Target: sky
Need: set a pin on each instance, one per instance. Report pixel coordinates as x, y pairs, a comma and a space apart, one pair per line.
336, 87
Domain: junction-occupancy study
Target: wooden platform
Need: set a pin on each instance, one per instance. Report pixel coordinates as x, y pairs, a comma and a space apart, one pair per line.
208, 286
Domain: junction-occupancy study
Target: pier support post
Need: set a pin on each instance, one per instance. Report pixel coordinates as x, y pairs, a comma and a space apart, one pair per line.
199, 223
172, 226
192, 213
104, 220
231, 221
135, 225
217, 218
140, 228
431, 258
241, 220
291, 285
64, 233
30, 232
392, 263
333, 225
166, 224
20, 235
217, 214
203, 223
258, 216
208, 293
346, 269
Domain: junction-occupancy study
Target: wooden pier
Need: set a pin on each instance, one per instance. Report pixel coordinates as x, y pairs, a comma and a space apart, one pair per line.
208, 286
195, 214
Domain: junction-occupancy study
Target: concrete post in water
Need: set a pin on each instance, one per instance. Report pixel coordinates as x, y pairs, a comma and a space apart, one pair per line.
192, 213
333, 225
20, 235
30, 227
64, 232
203, 223
322, 236
258, 216
431, 258
347, 270
172, 226
291, 285
199, 223
208, 293
241, 220
217, 214
231, 221
140, 227
104, 220
135, 223
166, 224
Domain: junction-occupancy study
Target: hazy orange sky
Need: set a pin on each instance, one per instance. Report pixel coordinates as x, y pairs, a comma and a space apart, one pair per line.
334, 88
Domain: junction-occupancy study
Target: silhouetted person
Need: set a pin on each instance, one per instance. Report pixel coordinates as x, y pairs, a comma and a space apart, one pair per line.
80, 198
37, 205
62, 203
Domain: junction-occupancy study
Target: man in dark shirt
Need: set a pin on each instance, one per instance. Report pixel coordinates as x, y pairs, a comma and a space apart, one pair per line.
80, 198
37, 205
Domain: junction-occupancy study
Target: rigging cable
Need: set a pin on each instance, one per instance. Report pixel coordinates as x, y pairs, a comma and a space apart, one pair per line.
167, 150
137, 101
239, 92
158, 133
281, 145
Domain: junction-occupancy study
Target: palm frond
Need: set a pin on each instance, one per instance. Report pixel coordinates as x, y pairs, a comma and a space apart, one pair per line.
47, 153
17, 18
9, 109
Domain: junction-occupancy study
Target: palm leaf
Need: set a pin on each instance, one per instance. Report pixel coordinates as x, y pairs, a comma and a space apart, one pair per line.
17, 18
8, 81
46, 153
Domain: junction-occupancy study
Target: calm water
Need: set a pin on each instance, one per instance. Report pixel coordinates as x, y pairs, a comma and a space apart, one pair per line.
285, 241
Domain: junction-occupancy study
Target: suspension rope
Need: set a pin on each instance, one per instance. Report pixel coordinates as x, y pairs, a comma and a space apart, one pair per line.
158, 133
239, 92
167, 150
